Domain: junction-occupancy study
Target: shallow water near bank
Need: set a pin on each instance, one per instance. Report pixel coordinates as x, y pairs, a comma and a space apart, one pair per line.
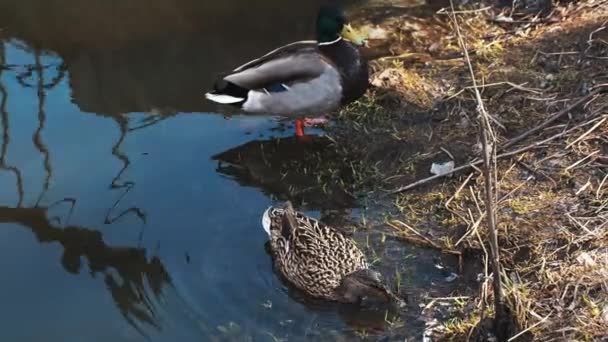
130, 208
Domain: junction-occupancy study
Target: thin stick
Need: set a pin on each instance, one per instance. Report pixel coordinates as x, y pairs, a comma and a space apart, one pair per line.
447, 203
582, 160
421, 239
549, 120
443, 10
428, 179
479, 161
470, 231
599, 188
447, 152
530, 327
415, 232
485, 133
513, 86
449, 298
588, 132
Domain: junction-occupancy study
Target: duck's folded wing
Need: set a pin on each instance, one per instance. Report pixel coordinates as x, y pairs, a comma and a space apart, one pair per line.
283, 69
292, 48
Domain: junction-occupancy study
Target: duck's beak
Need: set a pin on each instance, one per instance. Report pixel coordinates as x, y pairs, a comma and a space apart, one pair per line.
353, 35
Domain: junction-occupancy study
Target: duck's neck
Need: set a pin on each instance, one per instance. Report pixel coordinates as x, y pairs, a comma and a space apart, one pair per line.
331, 42
353, 69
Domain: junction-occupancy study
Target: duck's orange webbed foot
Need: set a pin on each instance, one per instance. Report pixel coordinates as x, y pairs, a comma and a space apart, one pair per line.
321, 120
308, 122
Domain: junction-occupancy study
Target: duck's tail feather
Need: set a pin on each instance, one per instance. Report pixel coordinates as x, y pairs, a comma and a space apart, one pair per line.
223, 98
266, 221
227, 93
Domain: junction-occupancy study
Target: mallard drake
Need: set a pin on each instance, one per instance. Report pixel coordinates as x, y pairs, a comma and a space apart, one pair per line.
320, 260
304, 78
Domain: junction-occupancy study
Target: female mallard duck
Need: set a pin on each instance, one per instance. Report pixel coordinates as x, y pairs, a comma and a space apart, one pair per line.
320, 260
302, 78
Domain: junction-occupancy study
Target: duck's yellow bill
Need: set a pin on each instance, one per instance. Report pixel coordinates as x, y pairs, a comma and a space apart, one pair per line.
353, 35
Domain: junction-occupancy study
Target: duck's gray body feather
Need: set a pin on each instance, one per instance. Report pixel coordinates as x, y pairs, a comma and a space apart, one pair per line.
319, 94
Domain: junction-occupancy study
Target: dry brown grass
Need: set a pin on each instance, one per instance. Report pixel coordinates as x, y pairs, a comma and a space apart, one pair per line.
552, 198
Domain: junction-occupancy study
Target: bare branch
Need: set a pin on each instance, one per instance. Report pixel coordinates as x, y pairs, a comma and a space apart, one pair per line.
486, 133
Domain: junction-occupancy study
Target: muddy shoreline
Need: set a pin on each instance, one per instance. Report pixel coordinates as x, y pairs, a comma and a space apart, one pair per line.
543, 79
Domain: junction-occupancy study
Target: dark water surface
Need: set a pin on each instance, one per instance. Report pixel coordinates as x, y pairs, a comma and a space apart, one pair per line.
129, 209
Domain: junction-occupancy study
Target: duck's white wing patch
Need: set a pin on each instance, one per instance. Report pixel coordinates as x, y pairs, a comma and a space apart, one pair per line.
266, 221
223, 99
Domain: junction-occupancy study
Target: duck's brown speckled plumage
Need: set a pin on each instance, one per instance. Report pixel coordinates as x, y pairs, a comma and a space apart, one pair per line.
312, 256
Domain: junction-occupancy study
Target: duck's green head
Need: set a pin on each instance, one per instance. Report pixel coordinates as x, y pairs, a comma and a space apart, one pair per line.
332, 24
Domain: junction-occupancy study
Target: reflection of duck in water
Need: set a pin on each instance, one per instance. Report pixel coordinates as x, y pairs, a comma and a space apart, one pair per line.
320, 260
137, 272
301, 78
287, 169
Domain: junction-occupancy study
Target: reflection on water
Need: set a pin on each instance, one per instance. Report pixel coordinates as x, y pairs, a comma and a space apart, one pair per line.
6, 134
305, 172
136, 274
130, 211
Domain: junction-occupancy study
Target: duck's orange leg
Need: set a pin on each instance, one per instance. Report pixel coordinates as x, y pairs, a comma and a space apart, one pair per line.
300, 127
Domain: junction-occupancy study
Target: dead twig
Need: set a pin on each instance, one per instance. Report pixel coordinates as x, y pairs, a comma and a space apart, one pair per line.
588, 132
421, 239
489, 159
549, 120
476, 162
543, 320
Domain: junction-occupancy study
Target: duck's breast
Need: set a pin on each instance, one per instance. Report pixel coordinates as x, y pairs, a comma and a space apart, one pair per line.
352, 67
